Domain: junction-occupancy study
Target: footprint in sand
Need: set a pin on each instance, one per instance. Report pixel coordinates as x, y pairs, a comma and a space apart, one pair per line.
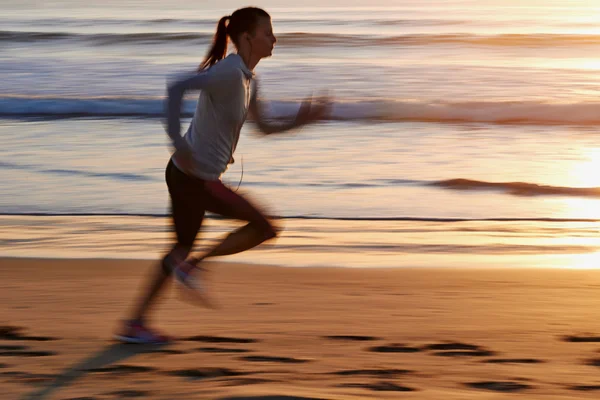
394, 348
584, 388
15, 333
26, 353
22, 351
220, 339
378, 373
353, 338
497, 386
123, 369
457, 349
594, 362
513, 361
168, 351
203, 373
379, 386
129, 394
11, 347
285, 360
221, 350
274, 397
581, 339
28, 378
248, 381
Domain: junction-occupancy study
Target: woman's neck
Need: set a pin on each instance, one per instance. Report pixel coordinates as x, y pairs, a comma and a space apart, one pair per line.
248, 59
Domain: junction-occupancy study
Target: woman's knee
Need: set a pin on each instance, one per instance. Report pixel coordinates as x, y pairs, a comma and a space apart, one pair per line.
267, 229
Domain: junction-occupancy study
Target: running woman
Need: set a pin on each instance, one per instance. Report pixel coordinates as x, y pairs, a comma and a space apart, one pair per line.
228, 92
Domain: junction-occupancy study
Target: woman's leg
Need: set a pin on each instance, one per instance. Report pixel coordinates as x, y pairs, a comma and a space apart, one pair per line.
223, 201
187, 198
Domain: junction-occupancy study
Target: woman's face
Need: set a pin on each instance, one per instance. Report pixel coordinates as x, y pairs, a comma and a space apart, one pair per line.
262, 40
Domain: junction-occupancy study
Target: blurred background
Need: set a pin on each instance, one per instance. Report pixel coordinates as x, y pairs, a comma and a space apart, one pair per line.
483, 112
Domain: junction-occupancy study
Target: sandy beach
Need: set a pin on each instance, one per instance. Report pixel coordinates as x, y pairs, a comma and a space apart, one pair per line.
302, 333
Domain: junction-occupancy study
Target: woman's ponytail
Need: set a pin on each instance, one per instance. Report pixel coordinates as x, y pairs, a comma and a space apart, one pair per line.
219, 47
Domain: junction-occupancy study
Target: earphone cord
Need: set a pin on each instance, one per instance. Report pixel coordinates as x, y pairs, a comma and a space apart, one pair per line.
241, 176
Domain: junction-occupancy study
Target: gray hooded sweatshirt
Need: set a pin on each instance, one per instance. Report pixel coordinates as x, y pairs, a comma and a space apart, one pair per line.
225, 95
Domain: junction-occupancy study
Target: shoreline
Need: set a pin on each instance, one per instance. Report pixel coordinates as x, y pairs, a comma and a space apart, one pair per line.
313, 243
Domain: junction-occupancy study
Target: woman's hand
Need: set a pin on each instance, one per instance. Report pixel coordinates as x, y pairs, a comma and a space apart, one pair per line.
313, 111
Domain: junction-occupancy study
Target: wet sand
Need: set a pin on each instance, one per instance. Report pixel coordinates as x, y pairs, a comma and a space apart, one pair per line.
302, 333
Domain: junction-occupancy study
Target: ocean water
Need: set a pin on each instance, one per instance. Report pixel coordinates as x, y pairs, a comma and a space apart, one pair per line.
446, 113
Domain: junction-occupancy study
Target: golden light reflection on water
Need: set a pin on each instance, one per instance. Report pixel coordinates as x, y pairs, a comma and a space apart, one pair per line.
579, 172
585, 173
572, 207
577, 261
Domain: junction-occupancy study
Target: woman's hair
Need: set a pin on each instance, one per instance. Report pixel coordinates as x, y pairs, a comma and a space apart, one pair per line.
241, 21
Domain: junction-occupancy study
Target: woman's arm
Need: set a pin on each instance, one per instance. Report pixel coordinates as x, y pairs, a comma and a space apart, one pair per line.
307, 113
208, 80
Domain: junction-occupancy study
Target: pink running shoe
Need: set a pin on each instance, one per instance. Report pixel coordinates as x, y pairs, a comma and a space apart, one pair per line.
136, 332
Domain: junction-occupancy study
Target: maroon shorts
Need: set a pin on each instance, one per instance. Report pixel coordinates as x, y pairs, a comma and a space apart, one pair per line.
191, 197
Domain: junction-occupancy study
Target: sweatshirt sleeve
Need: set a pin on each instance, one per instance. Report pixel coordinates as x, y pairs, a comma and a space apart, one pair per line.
205, 80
